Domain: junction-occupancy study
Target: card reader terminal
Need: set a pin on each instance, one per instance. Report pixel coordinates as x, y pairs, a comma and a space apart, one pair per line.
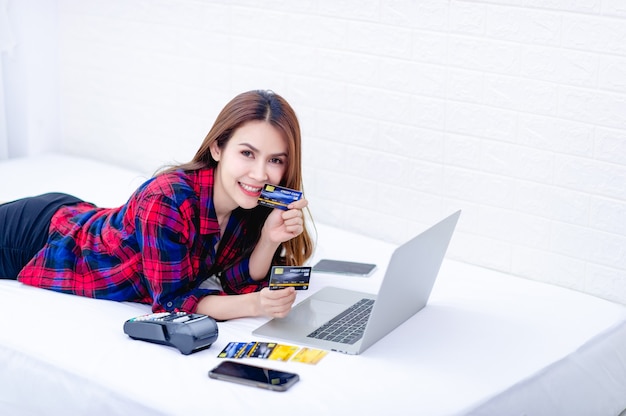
185, 331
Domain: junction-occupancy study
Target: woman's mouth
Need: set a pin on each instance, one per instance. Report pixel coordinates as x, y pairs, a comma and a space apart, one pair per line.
250, 190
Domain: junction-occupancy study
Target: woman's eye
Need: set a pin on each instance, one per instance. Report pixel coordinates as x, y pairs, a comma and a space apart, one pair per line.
246, 153
276, 160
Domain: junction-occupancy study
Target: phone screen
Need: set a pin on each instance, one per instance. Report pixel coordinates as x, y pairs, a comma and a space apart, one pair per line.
254, 376
344, 267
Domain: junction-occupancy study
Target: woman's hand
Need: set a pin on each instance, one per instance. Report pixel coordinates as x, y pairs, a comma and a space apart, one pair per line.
281, 226
276, 303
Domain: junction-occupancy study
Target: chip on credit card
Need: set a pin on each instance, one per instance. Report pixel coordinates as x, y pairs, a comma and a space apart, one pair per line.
275, 196
290, 276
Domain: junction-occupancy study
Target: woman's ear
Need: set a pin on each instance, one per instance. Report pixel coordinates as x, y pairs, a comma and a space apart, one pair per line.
215, 151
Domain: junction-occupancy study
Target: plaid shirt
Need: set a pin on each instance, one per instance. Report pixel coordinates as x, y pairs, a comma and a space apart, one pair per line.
157, 248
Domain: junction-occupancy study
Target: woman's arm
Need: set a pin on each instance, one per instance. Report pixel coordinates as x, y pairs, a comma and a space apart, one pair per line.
261, 257
271, 303
280, 226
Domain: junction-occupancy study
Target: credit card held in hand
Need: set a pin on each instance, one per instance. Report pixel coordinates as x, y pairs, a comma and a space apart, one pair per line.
275, 196
290, 276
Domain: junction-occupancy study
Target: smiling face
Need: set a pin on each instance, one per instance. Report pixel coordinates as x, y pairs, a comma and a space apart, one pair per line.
255, 154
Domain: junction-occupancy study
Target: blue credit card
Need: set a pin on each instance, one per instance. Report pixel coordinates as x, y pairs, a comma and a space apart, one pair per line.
290, 276
275, 196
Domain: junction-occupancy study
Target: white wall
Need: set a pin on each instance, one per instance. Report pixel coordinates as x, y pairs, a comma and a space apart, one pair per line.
512, 110
30, 77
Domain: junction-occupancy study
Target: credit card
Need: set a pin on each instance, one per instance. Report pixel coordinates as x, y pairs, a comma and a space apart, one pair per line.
233, 350
275, 196
309, 355
286, 276
262, 350
283, 352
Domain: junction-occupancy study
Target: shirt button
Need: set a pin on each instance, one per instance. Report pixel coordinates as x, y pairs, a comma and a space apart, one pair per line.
169, 304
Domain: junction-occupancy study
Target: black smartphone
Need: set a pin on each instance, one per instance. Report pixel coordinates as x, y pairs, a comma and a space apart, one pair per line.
252, 375
344, 267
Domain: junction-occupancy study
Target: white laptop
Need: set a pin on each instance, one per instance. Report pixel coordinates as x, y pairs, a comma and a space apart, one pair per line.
404, 291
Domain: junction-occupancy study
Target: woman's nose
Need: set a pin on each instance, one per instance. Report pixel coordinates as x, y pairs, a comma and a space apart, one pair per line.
259, 172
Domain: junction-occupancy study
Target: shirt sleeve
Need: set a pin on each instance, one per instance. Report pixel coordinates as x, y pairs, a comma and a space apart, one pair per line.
164, 233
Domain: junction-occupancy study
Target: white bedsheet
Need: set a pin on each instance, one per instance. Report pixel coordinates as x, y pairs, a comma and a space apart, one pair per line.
486, 344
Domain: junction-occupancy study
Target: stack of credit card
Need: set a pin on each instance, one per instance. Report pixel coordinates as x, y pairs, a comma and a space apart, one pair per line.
275, 196
290, 276
272, 351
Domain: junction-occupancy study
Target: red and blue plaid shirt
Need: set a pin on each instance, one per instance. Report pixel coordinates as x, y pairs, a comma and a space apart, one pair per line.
157, 248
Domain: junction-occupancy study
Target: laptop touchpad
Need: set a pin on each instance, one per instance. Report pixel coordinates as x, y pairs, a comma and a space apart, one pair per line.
322, 311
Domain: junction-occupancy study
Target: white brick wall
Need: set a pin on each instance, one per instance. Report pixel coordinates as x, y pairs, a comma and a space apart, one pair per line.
512, 110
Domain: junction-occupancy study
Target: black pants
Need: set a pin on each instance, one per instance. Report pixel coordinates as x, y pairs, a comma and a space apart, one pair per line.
24, 225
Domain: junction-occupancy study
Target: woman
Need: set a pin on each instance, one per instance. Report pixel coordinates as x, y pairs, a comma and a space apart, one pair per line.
187, 236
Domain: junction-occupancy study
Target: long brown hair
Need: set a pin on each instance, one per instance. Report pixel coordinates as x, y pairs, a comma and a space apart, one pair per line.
274, 109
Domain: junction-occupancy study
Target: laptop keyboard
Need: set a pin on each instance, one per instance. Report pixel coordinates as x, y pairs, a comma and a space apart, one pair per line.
348, 326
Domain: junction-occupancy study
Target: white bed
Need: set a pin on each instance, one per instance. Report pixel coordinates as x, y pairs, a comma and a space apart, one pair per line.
486, 344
